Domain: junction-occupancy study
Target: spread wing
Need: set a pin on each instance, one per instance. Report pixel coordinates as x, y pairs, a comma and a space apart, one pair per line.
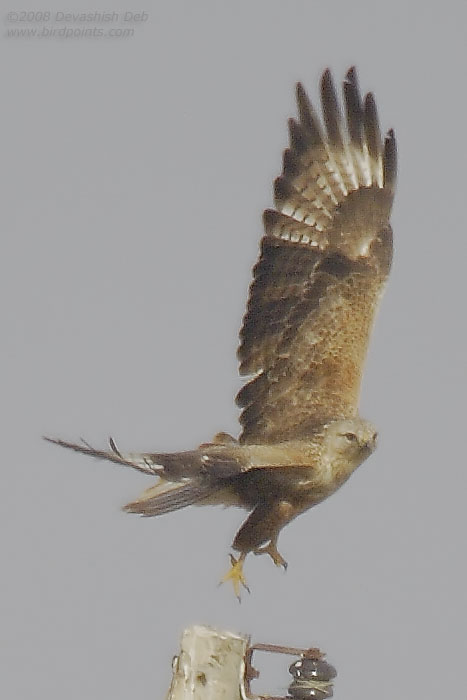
323, 263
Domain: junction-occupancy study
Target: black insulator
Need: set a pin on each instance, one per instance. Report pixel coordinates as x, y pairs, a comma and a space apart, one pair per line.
309, 669
304, 691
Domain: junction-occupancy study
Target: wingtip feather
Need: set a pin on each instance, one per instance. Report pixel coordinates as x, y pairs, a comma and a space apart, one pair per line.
113, 456
373, 138
331, 110
390, 161
352, 76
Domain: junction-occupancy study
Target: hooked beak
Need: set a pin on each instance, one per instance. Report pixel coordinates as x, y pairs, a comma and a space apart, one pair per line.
371, 443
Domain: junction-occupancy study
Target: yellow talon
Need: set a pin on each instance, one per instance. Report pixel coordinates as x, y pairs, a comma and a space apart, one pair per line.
235, 574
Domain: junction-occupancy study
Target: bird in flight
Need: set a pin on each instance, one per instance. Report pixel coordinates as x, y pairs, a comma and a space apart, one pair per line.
324, 260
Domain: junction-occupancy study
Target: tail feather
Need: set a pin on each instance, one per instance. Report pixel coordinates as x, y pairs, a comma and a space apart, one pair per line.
161, 498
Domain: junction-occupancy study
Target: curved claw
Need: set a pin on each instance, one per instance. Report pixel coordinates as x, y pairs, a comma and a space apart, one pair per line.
271, 549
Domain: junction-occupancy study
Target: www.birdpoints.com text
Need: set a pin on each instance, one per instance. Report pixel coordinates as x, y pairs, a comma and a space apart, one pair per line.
61, 24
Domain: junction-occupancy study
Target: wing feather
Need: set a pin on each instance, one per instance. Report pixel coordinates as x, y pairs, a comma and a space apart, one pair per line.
353, 109
373, 139
390, 163
323, 262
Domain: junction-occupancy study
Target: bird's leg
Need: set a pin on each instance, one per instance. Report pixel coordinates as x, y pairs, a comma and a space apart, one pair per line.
263, 526
236, 575
271, 549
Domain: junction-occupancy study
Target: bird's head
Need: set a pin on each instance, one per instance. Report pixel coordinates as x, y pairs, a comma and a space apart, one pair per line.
350, 441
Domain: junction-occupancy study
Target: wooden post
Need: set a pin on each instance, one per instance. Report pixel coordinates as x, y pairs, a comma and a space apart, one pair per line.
210, 665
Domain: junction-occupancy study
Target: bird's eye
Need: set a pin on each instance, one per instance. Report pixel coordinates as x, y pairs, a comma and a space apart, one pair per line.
351, 437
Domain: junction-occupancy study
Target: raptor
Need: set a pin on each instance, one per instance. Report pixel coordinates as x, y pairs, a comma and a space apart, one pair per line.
324, 260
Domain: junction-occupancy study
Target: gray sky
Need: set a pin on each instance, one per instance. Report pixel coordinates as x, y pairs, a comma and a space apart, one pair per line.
135, 171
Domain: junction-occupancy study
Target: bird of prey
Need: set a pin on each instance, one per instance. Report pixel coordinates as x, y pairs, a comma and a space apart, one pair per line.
324, 260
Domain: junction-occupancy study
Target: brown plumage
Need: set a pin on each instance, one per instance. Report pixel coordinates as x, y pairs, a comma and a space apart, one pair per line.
324, 259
